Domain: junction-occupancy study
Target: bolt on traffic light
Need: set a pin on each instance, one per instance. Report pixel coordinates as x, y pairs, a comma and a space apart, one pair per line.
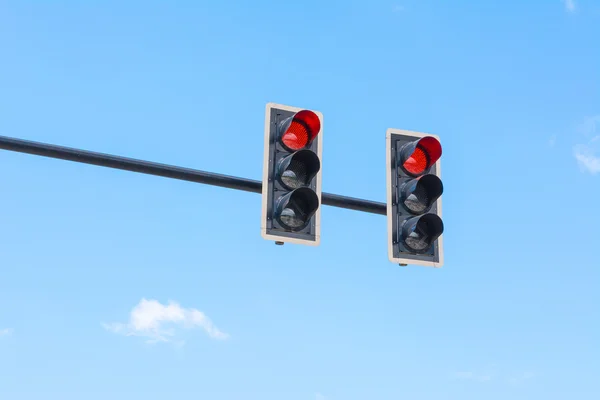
414, 204
291, 185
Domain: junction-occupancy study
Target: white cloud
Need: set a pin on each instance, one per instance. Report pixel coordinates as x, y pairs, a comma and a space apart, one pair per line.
159, 323
469, 375
588, 155
491, 374
569, 5
587, 160
6, 332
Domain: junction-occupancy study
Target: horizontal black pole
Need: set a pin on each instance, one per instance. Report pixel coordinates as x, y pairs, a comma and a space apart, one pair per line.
170, 171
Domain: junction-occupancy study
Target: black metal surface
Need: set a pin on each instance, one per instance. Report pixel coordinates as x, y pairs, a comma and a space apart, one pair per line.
129, 164
352, 203
171, 171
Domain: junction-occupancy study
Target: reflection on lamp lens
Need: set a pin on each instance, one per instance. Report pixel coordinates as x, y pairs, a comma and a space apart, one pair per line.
296, 208
418, 200
297, 170
420, 232
418, 195
290, 218
418, 241
295, 175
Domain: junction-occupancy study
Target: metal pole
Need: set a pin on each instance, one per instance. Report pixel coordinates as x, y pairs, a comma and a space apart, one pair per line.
171, 171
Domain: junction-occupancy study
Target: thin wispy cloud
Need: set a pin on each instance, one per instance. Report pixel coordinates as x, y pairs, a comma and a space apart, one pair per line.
319, 396
588, 154
525, 376
570, 5
493, 375
398, 8
587, 159
590, 126
158, 322
552, 141
6, 332
472, 376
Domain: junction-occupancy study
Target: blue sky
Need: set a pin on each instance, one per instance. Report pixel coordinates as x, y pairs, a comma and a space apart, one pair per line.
120, 285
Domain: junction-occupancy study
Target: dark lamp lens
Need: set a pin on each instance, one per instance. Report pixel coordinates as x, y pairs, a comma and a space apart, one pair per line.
425, 152
297, 208
300, 130
420, 232
298, 169
418, 195
418, 200
292, 218
295, 176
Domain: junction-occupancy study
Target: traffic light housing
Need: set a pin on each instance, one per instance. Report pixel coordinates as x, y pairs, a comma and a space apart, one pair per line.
414, 204
291, 184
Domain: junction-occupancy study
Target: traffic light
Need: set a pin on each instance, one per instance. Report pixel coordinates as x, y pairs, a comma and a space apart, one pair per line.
414, 205
291, 184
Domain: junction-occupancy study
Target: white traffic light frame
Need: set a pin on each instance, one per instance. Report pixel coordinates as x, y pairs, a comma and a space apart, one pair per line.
409, 260
269, 140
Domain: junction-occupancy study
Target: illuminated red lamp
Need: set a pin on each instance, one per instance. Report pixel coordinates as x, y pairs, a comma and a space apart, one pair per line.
417, 157
299, 130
